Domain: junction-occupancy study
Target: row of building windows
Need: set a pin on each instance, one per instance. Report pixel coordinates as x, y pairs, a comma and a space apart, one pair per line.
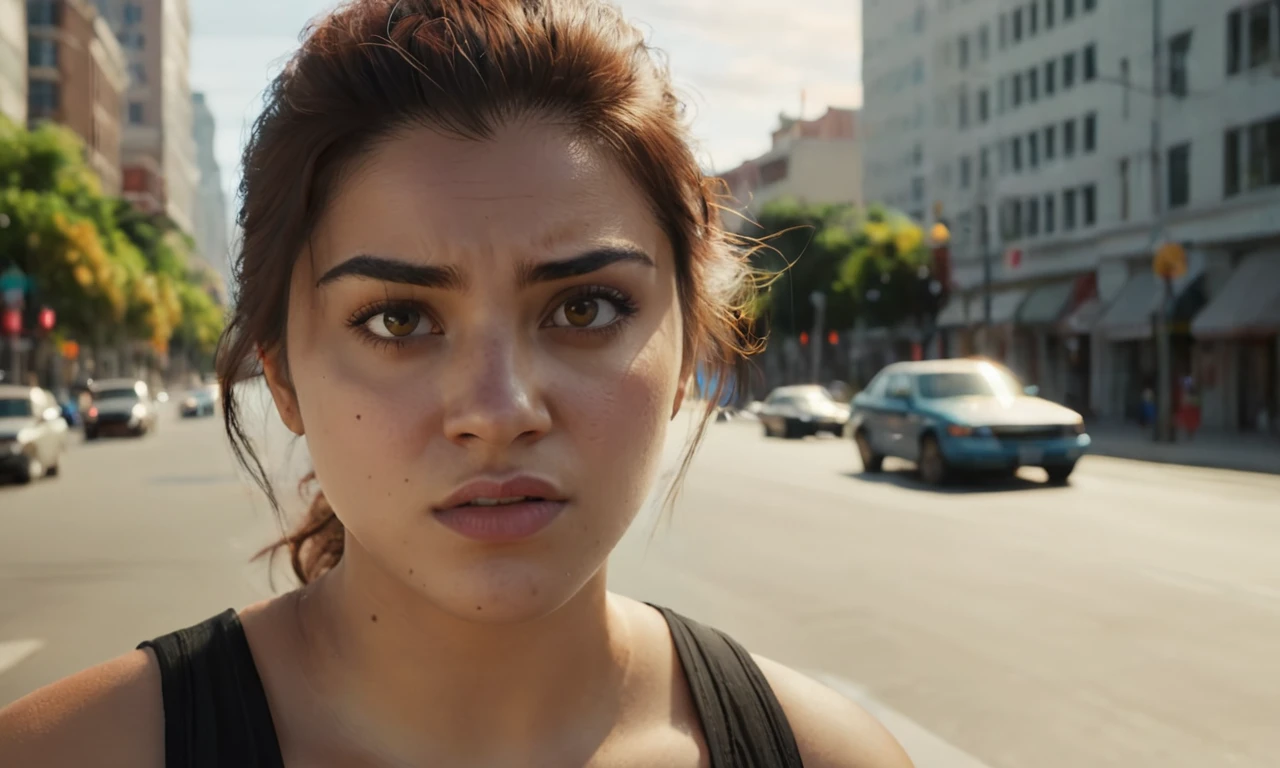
1028, 87
1251, 157
1251, 36
1027, 217
42, 52
1023, 22
1030, 150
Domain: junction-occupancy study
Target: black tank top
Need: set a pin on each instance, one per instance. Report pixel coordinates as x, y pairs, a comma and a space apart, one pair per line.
216, 713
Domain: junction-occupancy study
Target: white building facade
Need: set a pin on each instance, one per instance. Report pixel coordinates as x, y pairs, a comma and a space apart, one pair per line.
13, 60
1036, 143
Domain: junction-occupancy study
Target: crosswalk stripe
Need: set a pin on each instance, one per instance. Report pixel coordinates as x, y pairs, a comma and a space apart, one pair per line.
13, 652
926, 749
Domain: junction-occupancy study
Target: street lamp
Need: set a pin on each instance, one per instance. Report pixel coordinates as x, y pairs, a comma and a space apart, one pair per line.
1169, 263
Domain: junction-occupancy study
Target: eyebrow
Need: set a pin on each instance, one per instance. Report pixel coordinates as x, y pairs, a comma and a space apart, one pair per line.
393, 270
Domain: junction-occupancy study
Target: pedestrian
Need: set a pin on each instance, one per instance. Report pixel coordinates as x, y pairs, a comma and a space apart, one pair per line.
480, 265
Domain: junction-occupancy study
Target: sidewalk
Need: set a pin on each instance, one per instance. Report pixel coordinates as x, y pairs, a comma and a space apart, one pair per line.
1217, 450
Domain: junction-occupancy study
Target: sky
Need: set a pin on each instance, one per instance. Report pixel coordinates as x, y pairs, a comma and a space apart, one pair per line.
736, 70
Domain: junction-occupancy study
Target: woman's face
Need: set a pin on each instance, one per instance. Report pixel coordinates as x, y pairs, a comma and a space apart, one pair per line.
481, 321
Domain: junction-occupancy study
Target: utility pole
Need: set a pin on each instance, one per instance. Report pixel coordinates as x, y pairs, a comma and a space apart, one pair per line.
819, 301
1163, 315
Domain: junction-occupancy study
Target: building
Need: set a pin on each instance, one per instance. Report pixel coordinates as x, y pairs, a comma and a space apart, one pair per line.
13, 60
1027, 126
813, 161
159, 155
77, 77
211, 203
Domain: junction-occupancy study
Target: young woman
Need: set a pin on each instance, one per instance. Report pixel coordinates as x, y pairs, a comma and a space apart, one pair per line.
479, 266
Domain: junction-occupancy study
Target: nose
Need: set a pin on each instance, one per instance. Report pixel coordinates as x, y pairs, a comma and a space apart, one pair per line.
495, 399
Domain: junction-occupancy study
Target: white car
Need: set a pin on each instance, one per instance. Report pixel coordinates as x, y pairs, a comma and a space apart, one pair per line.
33, 433
120, 406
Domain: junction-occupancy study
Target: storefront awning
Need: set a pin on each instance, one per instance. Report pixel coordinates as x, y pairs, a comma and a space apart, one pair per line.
1005, 306
1249, 303
955, 314
1083, 319
1047, 304
1130, 316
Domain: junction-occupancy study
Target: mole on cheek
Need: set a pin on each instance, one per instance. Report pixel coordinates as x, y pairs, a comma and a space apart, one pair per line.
373, 617
357, 417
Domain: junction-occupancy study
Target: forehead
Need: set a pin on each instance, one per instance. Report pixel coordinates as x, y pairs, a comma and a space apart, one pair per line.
529, 188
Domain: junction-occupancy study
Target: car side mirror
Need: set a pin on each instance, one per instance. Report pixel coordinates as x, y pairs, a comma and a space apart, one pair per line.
1032, 391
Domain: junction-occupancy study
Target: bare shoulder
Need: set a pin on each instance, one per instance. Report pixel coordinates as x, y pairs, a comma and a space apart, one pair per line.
831, 730
109, 715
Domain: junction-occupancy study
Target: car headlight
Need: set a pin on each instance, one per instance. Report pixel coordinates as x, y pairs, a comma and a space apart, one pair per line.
960, 430
139, 410
190, 402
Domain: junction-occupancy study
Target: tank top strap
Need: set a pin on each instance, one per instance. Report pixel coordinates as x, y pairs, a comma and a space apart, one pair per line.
215, 708
742, 720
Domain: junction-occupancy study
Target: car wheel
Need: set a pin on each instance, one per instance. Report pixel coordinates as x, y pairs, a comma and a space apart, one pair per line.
90, 434
791, 430
51, 471
871, 461
933, 465
1059, 475
33, 471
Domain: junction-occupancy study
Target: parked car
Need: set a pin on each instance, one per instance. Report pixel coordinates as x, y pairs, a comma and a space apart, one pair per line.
957, 416
796, 411
33, 433
197, 403
121, 406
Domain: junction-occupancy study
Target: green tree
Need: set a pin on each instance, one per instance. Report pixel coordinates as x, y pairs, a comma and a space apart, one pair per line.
889, 271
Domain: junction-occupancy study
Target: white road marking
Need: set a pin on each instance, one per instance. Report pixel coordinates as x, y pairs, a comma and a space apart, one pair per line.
13, 652
926, 749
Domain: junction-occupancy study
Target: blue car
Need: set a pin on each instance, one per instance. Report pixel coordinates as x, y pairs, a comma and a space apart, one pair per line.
953, 417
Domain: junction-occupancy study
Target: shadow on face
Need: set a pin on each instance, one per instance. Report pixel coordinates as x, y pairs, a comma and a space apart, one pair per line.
484, 309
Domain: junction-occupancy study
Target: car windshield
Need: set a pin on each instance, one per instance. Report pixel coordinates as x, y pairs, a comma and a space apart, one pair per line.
116, 394
984, 383
12, 407
198, 394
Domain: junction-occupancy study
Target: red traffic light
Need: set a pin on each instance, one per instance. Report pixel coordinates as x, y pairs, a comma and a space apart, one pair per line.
833, 338
48, 318
12, 322
804, 338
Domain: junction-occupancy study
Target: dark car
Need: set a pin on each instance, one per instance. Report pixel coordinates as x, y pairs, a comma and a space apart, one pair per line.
122, 407
197, 403
796, 411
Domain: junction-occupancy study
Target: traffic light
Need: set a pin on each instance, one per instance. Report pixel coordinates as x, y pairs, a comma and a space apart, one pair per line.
47, 319
804, 338
833, 338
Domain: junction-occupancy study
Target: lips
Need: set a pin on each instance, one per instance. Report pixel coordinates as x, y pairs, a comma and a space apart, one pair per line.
501, 511
490, 493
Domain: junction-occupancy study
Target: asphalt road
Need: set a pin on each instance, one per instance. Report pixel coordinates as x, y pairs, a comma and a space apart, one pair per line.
1130, 619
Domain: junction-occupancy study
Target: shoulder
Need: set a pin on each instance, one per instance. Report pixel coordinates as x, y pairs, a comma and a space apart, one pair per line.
831, 730
109, 715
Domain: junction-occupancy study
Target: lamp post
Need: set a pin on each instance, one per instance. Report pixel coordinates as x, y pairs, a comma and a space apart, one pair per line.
819, 301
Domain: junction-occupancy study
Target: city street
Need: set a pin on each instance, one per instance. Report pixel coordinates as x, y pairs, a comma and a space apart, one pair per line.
1130, 619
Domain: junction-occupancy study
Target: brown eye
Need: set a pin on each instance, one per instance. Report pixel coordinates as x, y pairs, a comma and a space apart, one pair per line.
581, 312
585, 312
396, 323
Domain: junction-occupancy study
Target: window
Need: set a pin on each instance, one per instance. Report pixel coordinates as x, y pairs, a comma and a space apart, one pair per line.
44, 13
1259, 34
917, 189
1015, 153
1231, 163
1068, 70
984, 163
917, 155
1091, 132
1124, 87
1089, 197
1031, 216
1090, 63
1069, 209
1033, 17
42, 52
917, 71
1069, 138
137, 114
984, 43
1257, 163
138, 73
1003, 150
1017, 25
963, 112
1235, 41
984, 226
1089, 5
1050, 77
984, 105
1179, 50
1048, 14
1179, 175
1068, 10
1004, 31
1017, 89
1033, 84
962, 52
1049, 222
1050, 136
1033, 150
966, 171
1010, 219
132, 13
1000, 95
43, 98
1124, 189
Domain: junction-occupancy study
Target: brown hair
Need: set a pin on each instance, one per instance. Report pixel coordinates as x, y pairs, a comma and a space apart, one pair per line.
464, 67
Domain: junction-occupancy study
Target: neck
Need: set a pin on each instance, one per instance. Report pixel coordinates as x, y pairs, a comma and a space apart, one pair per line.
413, 680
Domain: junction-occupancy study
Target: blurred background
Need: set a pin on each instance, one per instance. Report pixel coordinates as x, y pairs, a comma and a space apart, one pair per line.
1007, 473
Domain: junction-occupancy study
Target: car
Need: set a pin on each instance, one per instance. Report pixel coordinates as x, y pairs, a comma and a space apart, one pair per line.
953, 417
796, 411
196, 403
33, 433
120, 406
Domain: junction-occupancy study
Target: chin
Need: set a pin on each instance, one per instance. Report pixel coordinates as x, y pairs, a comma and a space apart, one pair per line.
502, 589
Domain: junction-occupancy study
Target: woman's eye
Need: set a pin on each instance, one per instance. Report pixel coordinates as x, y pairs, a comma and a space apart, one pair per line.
397, 323
585, 312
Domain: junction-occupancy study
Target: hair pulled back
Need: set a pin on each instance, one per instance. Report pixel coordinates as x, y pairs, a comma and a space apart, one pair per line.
464, 68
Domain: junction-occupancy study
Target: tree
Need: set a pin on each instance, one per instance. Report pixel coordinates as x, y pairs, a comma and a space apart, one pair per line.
889, 272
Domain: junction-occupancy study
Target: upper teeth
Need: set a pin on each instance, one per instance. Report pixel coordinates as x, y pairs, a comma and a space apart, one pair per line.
482, 502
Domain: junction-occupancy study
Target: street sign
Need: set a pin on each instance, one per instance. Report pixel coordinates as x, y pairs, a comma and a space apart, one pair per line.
1013, 258
13, 286
1170, 261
